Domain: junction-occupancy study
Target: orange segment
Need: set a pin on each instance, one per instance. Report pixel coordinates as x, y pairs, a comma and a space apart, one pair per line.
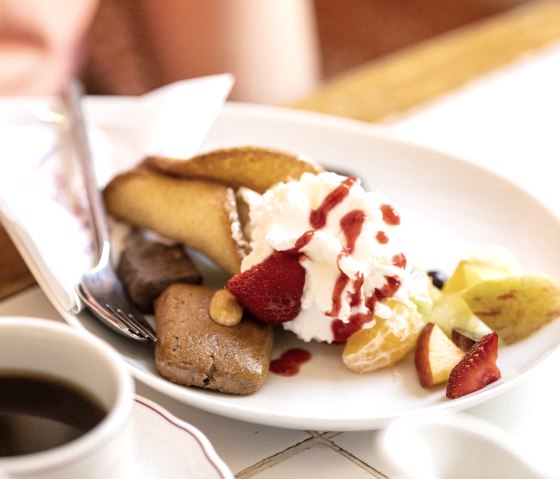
388, 341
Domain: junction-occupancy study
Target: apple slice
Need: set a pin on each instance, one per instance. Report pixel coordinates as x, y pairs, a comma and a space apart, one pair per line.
451, 311
436, 355
517, 306
476, 370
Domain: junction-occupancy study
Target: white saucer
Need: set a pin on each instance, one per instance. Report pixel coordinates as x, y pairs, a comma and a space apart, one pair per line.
165, 446
454, 445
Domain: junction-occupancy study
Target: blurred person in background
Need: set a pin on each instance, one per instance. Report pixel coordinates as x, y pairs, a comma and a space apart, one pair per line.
40, 43
128, 47
270, 46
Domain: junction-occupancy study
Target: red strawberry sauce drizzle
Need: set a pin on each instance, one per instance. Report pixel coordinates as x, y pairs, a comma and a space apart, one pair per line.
390, 215
351, 225
318, 217
399, 260
382, 237
301, 242
289, 362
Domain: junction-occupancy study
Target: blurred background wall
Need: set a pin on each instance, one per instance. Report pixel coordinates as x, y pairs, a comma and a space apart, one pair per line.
277, 50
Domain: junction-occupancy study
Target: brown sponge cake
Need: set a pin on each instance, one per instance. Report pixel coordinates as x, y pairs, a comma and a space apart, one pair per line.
199, 213
252, 167
194, 350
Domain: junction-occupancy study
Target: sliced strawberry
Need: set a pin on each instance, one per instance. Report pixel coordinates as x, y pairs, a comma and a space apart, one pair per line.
271, 290
477, 369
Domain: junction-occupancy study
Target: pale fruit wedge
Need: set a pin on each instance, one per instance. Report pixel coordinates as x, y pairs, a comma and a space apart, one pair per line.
451, 311
252, 167
487, 262
199, 213
388, 341
467, 274
436, 355
421, 290
516, 306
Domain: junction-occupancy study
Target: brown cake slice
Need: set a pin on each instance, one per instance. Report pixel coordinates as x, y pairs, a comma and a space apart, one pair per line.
198, 213
194, 350
146, 268
252, 167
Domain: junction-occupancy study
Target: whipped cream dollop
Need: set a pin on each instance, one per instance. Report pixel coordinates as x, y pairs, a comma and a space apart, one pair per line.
347, 240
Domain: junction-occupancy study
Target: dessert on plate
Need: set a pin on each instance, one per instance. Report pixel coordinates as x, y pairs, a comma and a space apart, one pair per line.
312, 252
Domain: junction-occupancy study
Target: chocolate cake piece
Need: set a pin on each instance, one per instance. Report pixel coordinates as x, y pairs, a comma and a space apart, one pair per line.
194, 350
146, 268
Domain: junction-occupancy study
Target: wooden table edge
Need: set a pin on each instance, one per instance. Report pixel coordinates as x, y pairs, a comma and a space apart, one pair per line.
393, 85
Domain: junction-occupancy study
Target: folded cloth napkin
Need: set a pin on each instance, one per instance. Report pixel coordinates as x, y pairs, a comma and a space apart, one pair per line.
43, 205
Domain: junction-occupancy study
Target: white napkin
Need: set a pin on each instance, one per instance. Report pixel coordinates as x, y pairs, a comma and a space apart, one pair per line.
42, 201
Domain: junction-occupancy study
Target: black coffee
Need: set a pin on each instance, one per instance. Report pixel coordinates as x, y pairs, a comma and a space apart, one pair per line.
40, 412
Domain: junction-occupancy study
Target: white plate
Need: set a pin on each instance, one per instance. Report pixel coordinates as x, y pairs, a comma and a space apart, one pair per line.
165, 446
447, 206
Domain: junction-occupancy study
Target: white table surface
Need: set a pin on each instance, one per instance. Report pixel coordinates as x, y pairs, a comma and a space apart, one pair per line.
508, 121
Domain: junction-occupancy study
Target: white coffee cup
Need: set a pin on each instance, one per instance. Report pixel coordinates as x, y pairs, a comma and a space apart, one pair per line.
47, 348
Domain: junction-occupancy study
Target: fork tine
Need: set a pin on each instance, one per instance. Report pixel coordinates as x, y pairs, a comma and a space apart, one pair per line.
126, 310
118, 313
134, 321
119, 323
